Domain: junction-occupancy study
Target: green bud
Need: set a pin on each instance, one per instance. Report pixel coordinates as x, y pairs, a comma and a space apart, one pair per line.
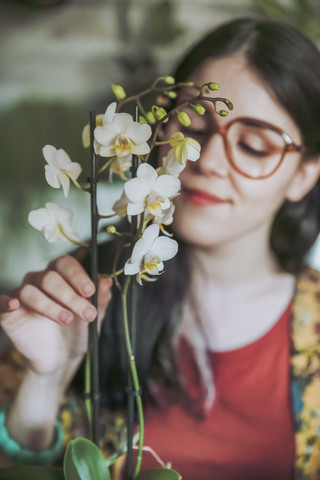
150, 117
118, 91
142, 120
223, 113
171, 94
198, 108
213, 86
169, 80
189, 84
111, 229
159, 112
184, 119
229, 104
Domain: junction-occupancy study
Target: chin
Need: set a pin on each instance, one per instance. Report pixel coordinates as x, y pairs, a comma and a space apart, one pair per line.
193, 233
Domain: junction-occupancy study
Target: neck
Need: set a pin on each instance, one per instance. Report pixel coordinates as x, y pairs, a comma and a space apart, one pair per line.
243, 260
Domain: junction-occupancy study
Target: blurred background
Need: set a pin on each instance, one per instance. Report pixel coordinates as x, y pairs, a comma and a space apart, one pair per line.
57, 61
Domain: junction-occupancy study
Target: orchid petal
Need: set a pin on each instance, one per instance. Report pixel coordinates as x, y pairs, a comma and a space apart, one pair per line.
39, 218
50, 153
164, 247
109, 113
139, 250
150, 234
106, 134
142, 149
138, 133
135, 208
147, 172
131, 268
62, 159
122, 121
65, 183
167, 185
137, 189
107, 151
52, 176
74, 169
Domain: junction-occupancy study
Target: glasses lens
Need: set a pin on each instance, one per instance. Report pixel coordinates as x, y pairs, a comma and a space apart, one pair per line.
255, 150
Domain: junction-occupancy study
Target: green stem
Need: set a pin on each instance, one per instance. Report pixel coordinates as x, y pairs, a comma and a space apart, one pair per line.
112, 275
80, 187
70, 239
134, 375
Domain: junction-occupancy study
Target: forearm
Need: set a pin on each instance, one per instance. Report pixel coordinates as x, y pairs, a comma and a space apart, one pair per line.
31, 418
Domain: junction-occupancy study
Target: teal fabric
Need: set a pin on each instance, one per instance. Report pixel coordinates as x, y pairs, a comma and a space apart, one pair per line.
13, 450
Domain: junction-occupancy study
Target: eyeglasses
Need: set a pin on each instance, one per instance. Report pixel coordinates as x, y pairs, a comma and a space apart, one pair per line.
254, 148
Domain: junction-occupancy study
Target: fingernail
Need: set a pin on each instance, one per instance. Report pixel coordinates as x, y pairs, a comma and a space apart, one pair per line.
89, 313
88, 289
65, 317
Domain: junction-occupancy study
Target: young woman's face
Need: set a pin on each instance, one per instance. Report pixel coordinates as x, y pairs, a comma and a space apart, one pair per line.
217, 204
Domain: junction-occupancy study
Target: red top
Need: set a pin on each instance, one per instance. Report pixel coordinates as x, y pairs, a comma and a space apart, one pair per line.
248, 434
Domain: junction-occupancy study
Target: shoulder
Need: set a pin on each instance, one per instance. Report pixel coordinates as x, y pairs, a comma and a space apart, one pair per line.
308, 281
306, 309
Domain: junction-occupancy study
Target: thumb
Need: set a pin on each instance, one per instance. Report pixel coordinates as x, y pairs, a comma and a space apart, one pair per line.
104, 297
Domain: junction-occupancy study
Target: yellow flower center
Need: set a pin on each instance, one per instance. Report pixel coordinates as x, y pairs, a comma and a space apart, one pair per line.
122, 146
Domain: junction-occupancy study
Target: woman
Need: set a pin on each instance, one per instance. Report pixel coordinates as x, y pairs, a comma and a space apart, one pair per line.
215, 352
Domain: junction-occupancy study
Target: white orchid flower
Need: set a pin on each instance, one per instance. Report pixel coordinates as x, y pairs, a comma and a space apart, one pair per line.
166, 218
149, 253
185, 148
120, 206
120, 136
54, 222
60, 169
149, 191
170, 164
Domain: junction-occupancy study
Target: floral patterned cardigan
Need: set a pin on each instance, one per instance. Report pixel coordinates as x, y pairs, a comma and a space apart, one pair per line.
305, 385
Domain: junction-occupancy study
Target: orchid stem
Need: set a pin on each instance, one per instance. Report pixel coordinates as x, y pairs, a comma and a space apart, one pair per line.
93, 341
134, 376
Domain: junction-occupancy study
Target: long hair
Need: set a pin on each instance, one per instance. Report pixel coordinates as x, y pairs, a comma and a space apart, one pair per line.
289, 64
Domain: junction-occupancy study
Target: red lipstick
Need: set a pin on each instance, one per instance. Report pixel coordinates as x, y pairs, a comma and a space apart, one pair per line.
201, 198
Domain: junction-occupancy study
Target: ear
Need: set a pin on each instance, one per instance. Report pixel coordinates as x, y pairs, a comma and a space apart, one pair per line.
304, 179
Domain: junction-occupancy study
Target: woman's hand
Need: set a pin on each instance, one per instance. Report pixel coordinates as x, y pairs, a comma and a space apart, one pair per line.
47, 317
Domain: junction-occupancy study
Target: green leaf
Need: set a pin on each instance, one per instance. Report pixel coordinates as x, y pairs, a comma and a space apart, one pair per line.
84, 461
31, 473
159, 474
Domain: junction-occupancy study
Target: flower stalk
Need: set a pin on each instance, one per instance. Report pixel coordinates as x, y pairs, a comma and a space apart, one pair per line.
93, 343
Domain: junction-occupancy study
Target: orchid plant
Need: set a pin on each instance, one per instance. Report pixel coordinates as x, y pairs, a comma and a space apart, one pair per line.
121, 144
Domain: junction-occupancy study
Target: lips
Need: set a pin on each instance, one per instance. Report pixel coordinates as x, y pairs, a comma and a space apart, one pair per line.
201, 198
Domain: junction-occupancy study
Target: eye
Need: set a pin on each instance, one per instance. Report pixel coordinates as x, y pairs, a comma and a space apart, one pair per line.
251, 150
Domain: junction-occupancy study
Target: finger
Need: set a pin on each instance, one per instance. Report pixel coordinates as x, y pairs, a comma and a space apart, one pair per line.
104, 292
58, 289
73, 272
8, 304
34, 299
104, 297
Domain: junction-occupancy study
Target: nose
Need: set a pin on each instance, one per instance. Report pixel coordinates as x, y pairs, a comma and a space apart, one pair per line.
213, 158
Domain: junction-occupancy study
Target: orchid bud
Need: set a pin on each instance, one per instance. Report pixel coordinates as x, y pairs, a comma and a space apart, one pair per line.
184, 119
150, 117
142, 120
118, 91
171, 94
229, 104
213, 86
198, 108
223, 113
159, 112
169, 80
111, 229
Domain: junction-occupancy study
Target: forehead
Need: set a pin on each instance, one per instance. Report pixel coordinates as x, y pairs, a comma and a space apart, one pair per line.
250, 96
